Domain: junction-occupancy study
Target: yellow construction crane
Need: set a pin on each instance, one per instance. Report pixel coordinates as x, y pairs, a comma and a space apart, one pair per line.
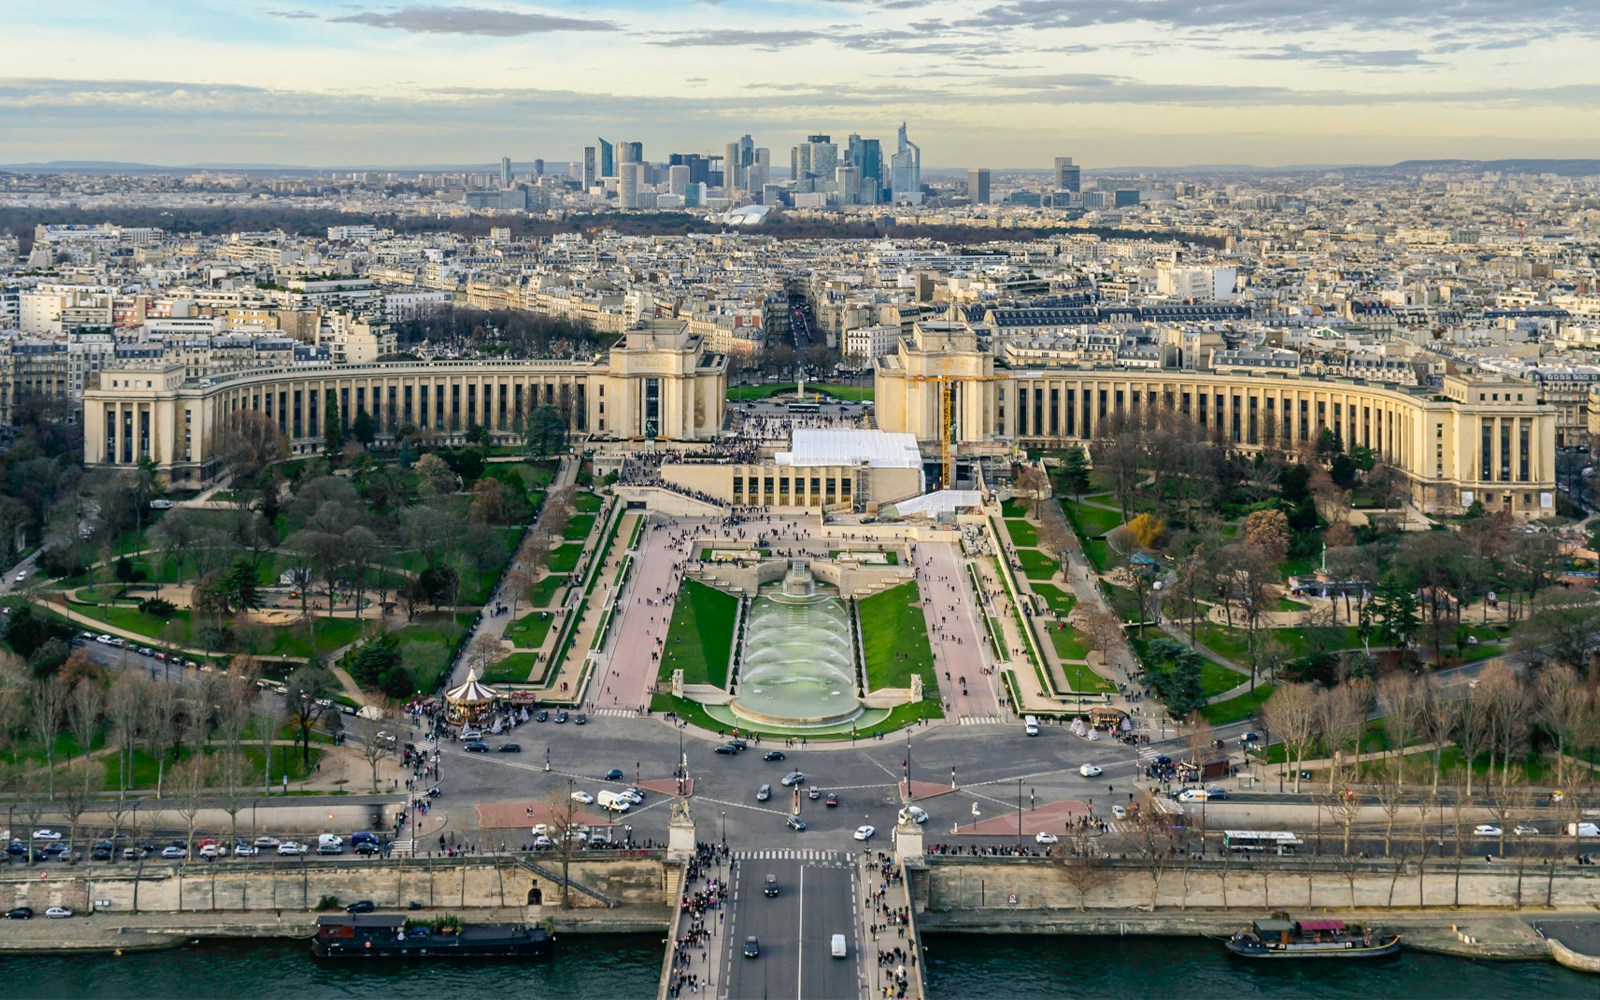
946, 415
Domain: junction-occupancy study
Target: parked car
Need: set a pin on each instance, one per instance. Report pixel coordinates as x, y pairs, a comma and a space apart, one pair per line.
59, 912
212, 851
561, 716
265, 841
865, 832
1486, 830
244, 849
580, 719
774, 755
1046, 837
361, 906
330, 848
46, 835
20, 913
1526, 830
543, 843
292, 847
367, 848
542, 715
174, 853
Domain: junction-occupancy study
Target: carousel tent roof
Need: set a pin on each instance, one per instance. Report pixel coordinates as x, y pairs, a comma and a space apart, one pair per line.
473, 692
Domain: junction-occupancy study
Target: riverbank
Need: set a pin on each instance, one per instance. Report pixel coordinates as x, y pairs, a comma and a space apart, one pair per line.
117, 933
1464, 933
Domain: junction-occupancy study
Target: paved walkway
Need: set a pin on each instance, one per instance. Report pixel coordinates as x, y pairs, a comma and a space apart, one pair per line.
959, 649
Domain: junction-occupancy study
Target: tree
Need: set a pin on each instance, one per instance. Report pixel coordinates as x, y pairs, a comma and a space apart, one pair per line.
1075, 472
1174, 673
247, 443
1153, 845
332, 426
1035, 485
1291, 713
363, 428
46, 700
375, 741
1082, 867
434, 477
1563, 622
544, 432
1056, 539
1267, 530
304, 693
1147, 530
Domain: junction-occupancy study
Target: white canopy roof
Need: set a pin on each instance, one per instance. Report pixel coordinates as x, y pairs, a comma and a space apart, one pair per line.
852, 446
473, 692
938, 502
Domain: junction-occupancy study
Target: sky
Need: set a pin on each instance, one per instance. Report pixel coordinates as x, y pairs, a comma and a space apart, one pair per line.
996, 83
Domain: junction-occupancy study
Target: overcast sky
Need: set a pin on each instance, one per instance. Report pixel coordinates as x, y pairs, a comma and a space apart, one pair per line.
998, 83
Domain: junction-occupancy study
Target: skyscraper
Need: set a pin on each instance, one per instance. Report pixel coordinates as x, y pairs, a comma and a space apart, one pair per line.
978, 185
906, 169
848, 180
1068, 177
505, 172
628, 185
589, 175
538, 169
678, 178
815, 158
866, 155
630, 152
608, 159
732, 168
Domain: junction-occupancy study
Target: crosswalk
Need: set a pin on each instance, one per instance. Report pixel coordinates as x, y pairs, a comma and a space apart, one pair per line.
616, 713
982, 720
789, 854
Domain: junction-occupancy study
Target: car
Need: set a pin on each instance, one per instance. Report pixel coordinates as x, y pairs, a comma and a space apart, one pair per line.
292, 847
213, 851
16, 847
20, 913
101, 854
726, 749
1046, 837
468, 735
367, 848
1247, 737
773, 755
562, 716
763, 793
1119, 812
814, 793
738, 744
1216, 794
330, 848
542, 715
831, 801
633, 794
361, 906
56, 848
915, 814
584, 797
86, 636
1486, 830
132, 854
580, 719
615, 774
1193, 795
540, 829
752, 947
47, 835
1526, 830
795, 823
476, 747
245, 849
771, 886
1162, 759
1090, 771
509, 748
864, 832
543, 843
793, 778
174, 853
103, 639
265, 841
59, 912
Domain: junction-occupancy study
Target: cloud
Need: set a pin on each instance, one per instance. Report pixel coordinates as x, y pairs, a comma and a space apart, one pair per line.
1281, 15
470, 21
1353, 58
756, 38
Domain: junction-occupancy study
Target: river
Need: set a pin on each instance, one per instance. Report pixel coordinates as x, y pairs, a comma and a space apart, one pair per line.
620, 967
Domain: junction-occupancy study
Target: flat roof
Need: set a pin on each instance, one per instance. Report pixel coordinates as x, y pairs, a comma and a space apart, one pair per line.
851, 446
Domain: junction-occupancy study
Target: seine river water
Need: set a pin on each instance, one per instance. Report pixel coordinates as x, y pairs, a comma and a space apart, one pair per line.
621, 967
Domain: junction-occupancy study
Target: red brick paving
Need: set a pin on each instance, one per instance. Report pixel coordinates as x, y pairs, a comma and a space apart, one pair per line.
1052, 816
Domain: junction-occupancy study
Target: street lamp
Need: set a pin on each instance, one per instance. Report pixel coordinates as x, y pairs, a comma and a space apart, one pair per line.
1019, 812
547, 758
724, 828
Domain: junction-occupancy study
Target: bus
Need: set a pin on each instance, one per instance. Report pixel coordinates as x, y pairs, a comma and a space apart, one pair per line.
1273, 842
805, 407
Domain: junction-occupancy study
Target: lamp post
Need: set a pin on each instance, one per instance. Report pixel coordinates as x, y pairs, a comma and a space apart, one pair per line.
1019, 812
724, 828
547, 758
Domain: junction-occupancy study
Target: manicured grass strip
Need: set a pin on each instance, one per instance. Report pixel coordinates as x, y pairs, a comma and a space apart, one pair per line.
587, 503
1084, 680
1068, 643
529, 631
1023, 535
564, 558
1237, 708
578, 528
1090, 520
1061, 603
894, 636
543, 593
700, 638
514, 669
1216, 678
1036, 565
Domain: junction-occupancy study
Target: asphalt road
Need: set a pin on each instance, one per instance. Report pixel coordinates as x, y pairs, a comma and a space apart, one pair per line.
816, 899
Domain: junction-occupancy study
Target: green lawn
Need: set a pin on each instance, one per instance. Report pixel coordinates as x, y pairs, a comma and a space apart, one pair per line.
1230, 643
1069, 643
1287, 604
1061, 603
1036, 565
700, 638
579, 527
1216, 678
1098, 553
1083, 680
1023, 535
1015, 508
1237, 708
588, 503
543, 593
283, 640
536, 475
439, 634
563, 558
144, 773
1091, 521
529, 631
743, 392
894, 636
514, 669
848, 393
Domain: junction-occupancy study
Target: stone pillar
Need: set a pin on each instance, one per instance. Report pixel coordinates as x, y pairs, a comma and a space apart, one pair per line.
680, 832
907, 841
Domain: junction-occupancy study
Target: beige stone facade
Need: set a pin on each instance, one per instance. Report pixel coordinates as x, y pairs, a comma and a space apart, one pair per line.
824, 487
657, 382
1483, 438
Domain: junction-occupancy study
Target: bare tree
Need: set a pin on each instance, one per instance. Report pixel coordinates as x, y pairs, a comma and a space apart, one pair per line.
46, 701
1471, 731
190, 778
1034, 484
1343, 716
1083, 868
1291, 714
376, 741
1399, 701
125, 711
1506, 709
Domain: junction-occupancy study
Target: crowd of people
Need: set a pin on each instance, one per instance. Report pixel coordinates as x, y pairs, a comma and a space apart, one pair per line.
702, 909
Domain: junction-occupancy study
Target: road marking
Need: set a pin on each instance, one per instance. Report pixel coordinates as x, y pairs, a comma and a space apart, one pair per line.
800, 941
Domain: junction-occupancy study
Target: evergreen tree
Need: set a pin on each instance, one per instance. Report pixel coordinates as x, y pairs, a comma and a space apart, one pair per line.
333, 426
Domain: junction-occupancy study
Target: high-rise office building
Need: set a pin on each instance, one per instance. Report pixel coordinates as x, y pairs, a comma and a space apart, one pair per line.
815, 158
905, 174
505, 171
760, 170
678, 178
732, 169
866, 155
628, 177
590, 175
630, 152
1068, 176
608, 159
978, 185
538, 169
699, 166
848, 179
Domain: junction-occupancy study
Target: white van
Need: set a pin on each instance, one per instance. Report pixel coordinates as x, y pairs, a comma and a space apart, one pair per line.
614, 801
330, 840
1585, 829
839, 948
1030, 725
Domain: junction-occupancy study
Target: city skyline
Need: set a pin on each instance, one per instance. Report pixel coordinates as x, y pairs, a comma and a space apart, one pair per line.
1147, 82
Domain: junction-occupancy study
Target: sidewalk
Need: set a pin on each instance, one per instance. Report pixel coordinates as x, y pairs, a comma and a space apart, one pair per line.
888, 940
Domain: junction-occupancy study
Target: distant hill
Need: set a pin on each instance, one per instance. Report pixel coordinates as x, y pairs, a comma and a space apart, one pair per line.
1562, 168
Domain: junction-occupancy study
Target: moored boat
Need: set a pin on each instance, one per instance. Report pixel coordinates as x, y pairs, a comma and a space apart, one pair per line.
1280, 937
384, 935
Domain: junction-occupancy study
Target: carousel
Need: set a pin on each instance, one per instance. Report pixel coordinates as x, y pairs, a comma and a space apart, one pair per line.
469, 702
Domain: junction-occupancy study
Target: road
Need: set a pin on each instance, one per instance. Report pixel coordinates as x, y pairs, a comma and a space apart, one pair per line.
817, 898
